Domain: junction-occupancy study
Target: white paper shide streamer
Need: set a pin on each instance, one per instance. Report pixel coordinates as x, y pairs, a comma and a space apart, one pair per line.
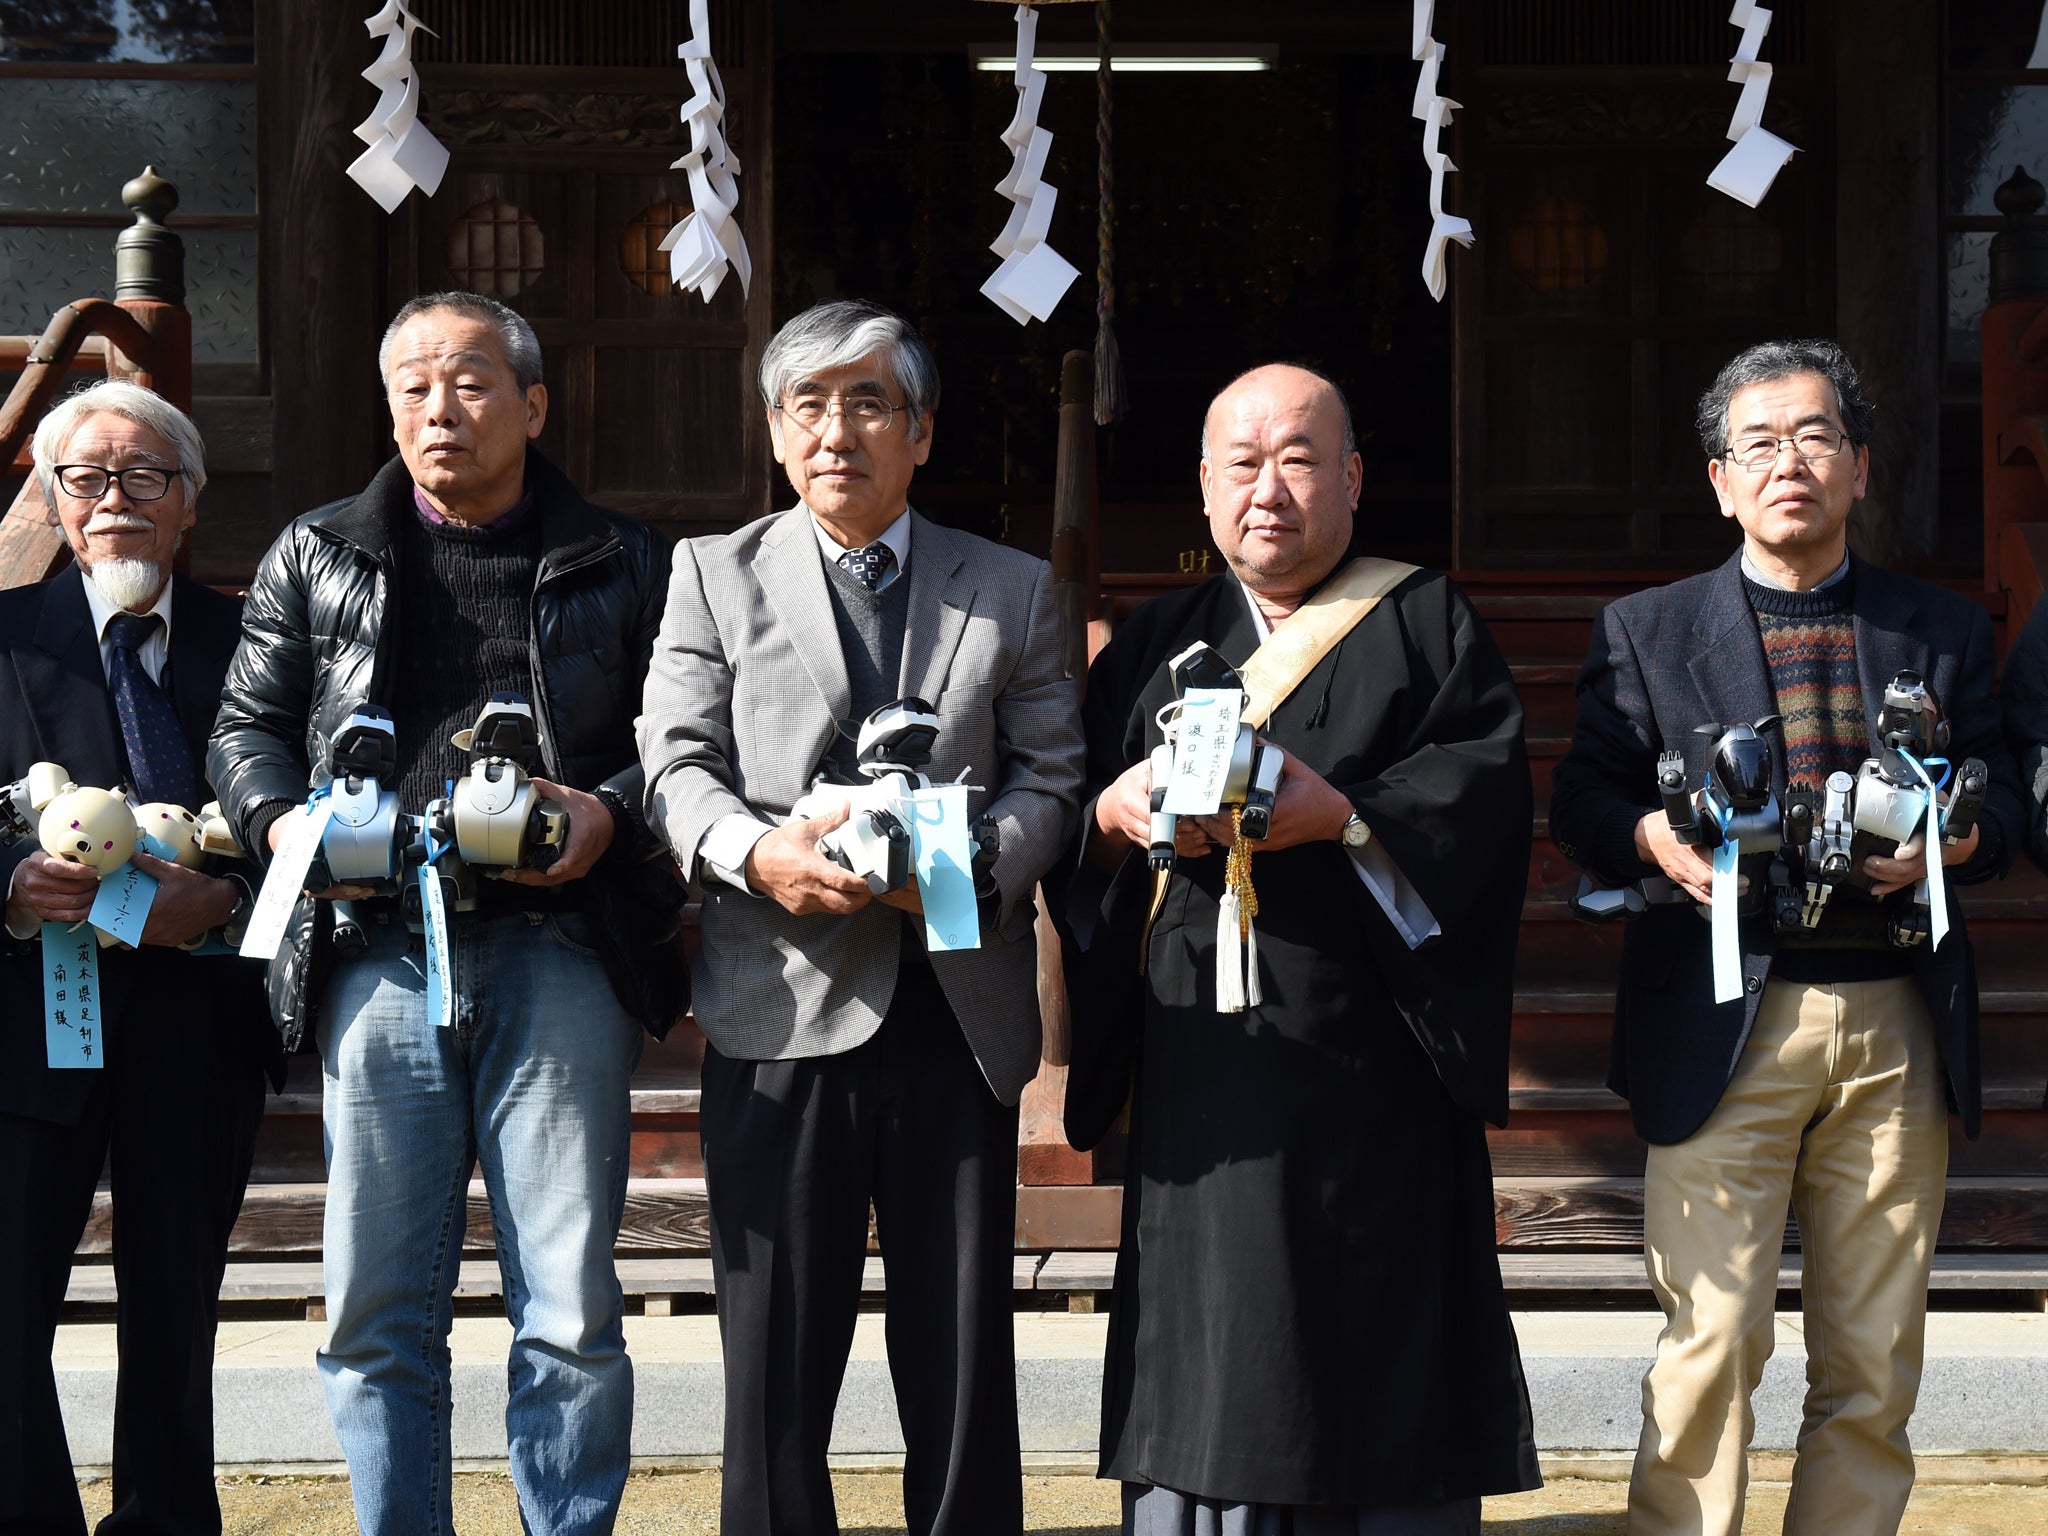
1033, 276
1747, 171
1434, 112
402, 153
707, 243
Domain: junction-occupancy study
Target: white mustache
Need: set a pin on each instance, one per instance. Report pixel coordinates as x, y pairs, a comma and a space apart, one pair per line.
115, 522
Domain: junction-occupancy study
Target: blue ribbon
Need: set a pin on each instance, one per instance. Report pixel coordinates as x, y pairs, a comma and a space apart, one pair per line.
1937, 814
1727, 934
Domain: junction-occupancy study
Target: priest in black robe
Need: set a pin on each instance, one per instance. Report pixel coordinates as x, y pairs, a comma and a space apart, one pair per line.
1309, 1333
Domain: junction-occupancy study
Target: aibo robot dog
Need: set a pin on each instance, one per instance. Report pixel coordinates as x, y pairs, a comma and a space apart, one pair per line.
1252, 781
1883, 805
874, 842
498, 818
22, 802
368, 839
1736, 804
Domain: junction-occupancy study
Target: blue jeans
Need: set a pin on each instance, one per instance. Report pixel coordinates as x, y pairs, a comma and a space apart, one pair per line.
531, 1082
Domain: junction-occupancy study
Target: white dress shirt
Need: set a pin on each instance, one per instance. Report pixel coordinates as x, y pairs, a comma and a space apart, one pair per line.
1402, 903
722, 850
155, 651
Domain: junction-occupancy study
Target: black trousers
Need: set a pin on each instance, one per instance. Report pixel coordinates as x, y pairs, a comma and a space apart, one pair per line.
794, 1151
177, 1107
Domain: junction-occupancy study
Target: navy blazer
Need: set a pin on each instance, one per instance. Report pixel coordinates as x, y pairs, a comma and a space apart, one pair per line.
1668, 660
55, 707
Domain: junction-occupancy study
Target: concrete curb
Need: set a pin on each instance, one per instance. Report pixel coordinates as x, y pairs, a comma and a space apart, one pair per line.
1986, 1377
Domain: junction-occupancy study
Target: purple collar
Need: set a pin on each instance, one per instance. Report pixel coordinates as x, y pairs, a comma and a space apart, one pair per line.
509, 522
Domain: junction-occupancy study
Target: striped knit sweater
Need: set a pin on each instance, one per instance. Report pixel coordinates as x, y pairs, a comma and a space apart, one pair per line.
1809, 643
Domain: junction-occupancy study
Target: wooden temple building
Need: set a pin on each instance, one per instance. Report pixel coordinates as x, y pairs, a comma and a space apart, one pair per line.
1532, 432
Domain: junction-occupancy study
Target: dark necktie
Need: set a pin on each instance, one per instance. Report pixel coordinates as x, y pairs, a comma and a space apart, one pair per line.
159, 757
869, 565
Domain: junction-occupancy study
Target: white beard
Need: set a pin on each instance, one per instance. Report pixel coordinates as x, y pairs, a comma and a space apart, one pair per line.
126, 584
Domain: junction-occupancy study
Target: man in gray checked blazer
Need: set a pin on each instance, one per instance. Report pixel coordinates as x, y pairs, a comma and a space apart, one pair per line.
845, 1063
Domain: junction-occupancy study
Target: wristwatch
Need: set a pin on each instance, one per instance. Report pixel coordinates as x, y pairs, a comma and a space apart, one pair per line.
624, 824
1356, 833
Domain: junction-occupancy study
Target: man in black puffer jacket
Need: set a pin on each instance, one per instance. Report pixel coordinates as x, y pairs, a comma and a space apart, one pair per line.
468, 567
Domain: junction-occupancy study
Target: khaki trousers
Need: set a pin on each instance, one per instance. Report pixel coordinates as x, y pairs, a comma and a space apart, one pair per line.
1837, 1106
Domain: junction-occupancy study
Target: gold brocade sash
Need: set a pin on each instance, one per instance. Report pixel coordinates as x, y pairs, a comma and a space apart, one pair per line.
1287, 656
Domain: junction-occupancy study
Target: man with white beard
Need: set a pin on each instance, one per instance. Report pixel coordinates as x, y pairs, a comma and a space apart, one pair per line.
113, 670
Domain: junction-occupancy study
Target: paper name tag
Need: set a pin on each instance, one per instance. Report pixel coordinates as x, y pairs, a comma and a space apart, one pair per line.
434, 917
72, 1036
945, 867
121, 906
303, 829
1204, 736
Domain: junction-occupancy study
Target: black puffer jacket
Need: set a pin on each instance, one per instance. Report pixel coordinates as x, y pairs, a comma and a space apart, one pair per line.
318, 632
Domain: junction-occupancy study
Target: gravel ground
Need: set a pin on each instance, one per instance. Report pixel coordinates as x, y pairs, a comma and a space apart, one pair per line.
686, 1504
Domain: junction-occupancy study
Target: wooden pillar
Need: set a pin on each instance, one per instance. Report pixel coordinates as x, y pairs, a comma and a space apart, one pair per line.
1888, 279
1043, 1156
1073, 508
323, 253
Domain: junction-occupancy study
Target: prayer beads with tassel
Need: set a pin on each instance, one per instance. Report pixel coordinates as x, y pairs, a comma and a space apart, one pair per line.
1237, 940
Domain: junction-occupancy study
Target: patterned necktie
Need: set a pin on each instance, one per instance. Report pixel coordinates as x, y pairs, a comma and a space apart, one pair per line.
869, 565
159, 757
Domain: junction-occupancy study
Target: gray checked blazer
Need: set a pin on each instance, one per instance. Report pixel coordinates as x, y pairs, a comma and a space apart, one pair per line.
745, 691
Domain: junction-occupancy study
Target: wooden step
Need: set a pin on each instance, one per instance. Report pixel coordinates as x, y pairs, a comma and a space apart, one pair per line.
1607, 1213
93, 1284
1568, 1143
668, 1217
2025, 1274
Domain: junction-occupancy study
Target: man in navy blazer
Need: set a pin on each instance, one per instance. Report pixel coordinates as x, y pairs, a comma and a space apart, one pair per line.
1826, 1084
113, 670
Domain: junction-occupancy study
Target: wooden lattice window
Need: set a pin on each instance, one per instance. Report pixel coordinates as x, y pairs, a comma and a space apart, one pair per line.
640, 256
1558, 248
1732, 251
495, 249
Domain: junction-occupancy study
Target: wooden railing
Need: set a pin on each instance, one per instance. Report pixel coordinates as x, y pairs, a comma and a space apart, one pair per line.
143, 333
2015, 341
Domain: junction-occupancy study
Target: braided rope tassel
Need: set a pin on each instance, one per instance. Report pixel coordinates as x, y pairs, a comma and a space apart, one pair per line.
1237, 945
1112, 396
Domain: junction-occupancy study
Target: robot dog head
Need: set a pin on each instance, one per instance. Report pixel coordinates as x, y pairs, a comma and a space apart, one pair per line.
366, 747
1911, 720
897, 736
506, 729
1202, 666
1742, 762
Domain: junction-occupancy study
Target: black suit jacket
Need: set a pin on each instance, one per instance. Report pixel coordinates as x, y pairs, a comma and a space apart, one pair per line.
54, 707
1666, 661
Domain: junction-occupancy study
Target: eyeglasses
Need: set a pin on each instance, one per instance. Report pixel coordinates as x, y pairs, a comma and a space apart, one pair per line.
144, 482
864, 413
1810, 443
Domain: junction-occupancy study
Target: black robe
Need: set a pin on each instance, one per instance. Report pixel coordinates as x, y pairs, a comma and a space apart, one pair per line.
1308, 1305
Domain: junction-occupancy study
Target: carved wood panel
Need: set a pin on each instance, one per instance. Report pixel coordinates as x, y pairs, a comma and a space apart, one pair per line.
560, 147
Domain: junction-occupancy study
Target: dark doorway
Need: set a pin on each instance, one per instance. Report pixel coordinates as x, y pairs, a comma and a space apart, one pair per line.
1261, 216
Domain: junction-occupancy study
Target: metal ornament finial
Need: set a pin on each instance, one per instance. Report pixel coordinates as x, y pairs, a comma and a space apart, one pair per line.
149, 259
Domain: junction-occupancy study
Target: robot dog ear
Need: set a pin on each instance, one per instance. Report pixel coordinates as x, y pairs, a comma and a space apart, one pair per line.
1202, 666
1769, 723
1710, 731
